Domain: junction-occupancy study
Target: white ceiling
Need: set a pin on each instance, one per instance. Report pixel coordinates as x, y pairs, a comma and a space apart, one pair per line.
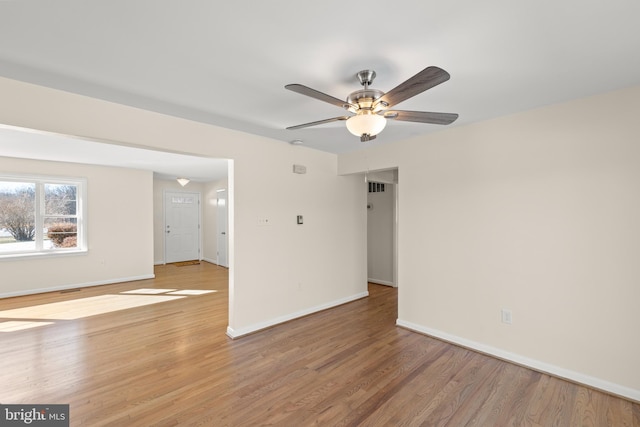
226, 63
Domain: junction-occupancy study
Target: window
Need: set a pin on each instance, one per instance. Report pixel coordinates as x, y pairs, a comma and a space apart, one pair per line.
41, 216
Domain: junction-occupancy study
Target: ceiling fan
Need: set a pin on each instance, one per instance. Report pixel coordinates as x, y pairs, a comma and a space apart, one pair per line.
370, 107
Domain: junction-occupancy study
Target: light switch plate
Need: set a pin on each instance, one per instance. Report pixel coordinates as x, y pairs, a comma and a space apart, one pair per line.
299, 169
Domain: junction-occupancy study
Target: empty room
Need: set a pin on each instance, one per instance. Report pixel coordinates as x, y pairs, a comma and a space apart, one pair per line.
410, 213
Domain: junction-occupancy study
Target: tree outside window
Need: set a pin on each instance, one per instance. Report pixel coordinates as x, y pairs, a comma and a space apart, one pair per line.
60, 219
38, 216
17, 210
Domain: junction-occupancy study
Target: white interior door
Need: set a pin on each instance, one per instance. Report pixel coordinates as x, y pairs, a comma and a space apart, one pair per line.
221, 228
182, 226
381, 233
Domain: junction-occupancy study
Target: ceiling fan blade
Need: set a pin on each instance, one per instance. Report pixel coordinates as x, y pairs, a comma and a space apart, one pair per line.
304, 90
319, 122
421, 117
425, 79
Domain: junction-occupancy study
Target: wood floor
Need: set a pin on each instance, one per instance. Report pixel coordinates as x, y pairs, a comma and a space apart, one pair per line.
171, 364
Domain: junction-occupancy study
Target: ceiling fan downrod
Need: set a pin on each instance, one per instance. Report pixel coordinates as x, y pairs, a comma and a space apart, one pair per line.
365, 77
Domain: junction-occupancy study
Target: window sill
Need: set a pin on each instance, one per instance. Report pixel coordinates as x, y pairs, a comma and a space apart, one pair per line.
42, 254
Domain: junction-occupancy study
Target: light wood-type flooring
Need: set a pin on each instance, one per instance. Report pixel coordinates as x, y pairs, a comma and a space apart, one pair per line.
167, 362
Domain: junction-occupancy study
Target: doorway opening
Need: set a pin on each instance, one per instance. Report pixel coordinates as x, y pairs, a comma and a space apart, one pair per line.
382, 225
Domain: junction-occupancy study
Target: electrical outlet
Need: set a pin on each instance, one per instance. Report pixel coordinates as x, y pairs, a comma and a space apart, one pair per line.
506, 316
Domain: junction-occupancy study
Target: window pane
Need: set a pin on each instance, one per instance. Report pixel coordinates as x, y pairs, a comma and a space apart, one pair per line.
17, 216
40, 215
60, 199
60, 233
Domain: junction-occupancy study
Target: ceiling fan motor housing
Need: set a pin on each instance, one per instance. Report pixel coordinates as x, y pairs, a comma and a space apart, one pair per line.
364, 99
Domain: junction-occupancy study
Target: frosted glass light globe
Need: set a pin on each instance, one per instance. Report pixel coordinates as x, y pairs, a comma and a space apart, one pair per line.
370, 124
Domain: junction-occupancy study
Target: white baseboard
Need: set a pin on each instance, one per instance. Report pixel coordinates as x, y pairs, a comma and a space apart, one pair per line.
536, 365
381, 282
236, 333
214, 262
75, 286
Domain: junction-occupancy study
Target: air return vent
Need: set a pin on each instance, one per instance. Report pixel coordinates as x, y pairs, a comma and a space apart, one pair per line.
376, 187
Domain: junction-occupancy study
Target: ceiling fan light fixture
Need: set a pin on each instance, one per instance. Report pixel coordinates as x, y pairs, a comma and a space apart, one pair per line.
366, 124
371, 106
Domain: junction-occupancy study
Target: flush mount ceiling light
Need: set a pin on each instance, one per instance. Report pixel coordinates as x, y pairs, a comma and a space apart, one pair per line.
183, 181
371, 106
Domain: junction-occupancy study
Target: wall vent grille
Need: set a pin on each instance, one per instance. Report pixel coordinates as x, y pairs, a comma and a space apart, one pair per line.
376, 187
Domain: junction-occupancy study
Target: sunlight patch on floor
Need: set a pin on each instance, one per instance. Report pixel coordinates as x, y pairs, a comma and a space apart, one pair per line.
17, 325
191, 292
85, 307
149, 291
91, 306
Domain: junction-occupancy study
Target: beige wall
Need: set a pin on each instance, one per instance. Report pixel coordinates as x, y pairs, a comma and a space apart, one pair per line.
276, 272
293, 266
537, 213
119, 231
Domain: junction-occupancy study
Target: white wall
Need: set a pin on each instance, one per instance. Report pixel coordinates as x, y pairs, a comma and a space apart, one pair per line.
535, 212
276, 272
119, 217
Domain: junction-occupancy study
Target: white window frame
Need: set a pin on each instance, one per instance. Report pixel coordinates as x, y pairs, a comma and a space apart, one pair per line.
81, 211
